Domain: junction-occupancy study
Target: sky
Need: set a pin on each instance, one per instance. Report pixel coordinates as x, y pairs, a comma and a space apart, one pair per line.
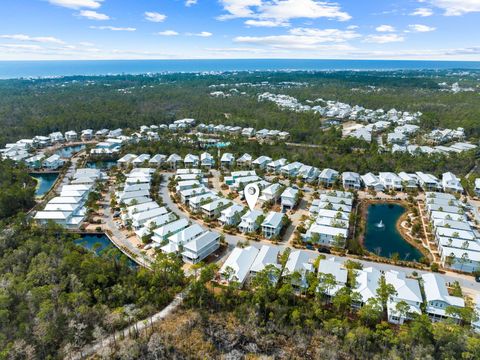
234, 29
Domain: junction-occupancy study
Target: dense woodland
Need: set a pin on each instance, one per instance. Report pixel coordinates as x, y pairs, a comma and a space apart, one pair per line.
33, 107
56, 296
272, 321
17, 189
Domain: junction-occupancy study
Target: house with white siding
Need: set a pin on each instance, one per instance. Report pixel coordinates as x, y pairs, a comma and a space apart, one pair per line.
201, 247
231, 215
451, 183
351, 180
245, 160
289, 198
408, 291
328, 177
227, 160
262, 161
237, 266
248, 222
272, 225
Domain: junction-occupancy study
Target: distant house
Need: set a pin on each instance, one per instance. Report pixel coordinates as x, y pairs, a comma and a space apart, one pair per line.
437, 297
248, 132
262, 161
409, 181
372, 182
244, 160
56, 137
227, 160
367, 283
477, 186
140, 160
248, 222
428, 182
289, 198
157, 160
126, 159
396, 138
351, 180
272, 225
328, 177
451, 183
237, 266
362, 134
161, 234
267, 256
35, 162
71, 135
276, 165
308, 173
179, 239
207, 160
191, 160
173, 160
87, 135
213, 209
391, 181
201, 247
53, 162
291, 170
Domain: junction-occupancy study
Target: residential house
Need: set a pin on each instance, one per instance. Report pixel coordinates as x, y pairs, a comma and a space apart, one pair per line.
157, 160
291, 170
308, 173
248, 222
408, 291
451, 183
438, 298
232, 215
298, 262
332, 267
141, 160
196, 201
477, 187
289, 198
71, 135
53, 162
428, 182
207, 160
276, 165
391, 181
125, 160
35, 162
351, 180
237, 266
272, 225
267, 256
409, 181
177, 240
201, 247
367, 283
245, 160
262, 161
328, 177
174, 160
213, 209
191, 161
271, 192
161, 234
372, 182
87, 135
56, 137
227, 160
396, 138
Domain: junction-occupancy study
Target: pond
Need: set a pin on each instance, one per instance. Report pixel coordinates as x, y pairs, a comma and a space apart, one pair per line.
382, 236
68, 151
101, 164
100, 243
44, 182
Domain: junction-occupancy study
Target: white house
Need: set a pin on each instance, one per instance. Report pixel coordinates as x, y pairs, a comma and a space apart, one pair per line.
262, 161
276, 165
227, 160
339, 272
195, 202
140, 160
207, 160
391, 181
56, 137
126, 159
245, 160
87, 135
367, 282
289, 198
182, 237
272, 225
231, 215
237, 266
201, 247
299, 262
451, 183
248, 222
351, 180
477, 186
162, 233
53, 162
271, 192
191, 160
437, 297
71, 135
173, 160
408, 291
328, 177
409, 181
372, 182
268, 255
213, 209
157, 160
428, 182
292, 169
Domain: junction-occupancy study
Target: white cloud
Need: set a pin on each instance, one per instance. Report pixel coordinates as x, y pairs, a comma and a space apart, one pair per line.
352, 27
385, 28
167, 33
77, 4
190, 2
304, 38
93, 15
113, 28
456, 7
200, 34
265, 23
421, 28
423, 12
384, 39
154, 16
281, 11
41, 39
21, 46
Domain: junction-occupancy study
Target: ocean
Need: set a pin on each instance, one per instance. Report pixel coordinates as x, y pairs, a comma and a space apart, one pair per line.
36, 69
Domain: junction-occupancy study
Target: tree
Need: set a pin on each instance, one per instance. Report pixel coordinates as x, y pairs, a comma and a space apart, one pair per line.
326, 284
385, 293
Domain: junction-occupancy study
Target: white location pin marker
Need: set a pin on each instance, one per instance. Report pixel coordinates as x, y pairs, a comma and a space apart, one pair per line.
251, 193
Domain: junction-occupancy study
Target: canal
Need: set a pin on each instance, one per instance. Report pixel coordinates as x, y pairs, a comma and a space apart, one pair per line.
99, 244
45, 182
382, 236
101, 164
68, 151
